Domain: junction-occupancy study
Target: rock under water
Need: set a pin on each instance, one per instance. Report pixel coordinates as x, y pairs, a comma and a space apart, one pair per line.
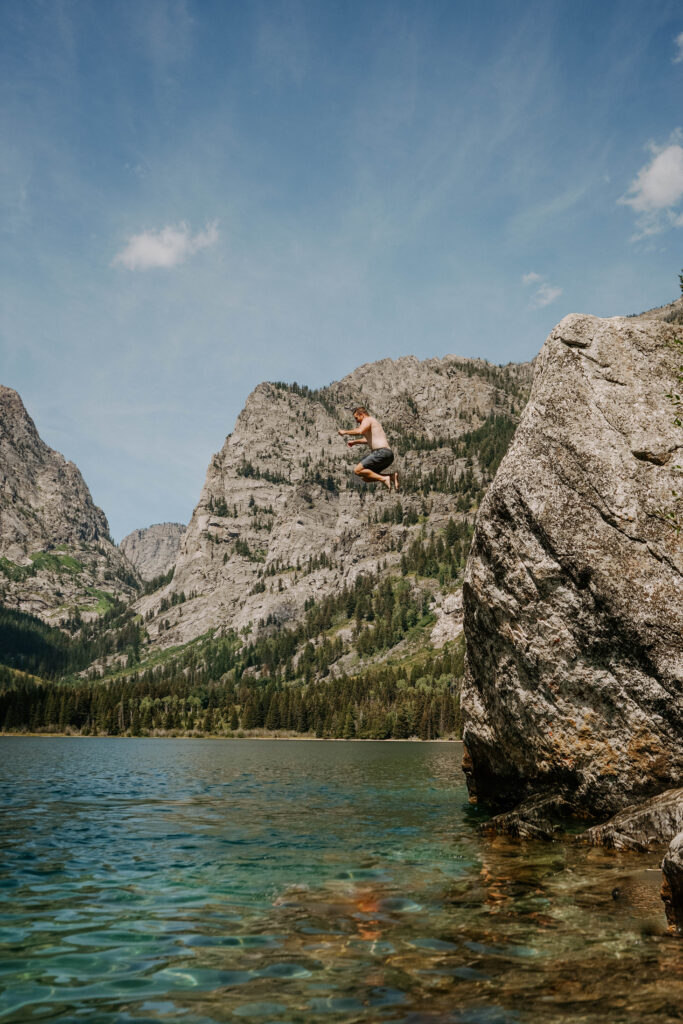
641, 826
672, 884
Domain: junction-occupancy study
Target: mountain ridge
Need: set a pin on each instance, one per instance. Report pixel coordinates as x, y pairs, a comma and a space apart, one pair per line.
281, 515
57, 558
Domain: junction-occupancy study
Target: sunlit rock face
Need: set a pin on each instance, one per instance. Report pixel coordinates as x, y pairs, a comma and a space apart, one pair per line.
56, 555
44, 498
154, 550
573, 595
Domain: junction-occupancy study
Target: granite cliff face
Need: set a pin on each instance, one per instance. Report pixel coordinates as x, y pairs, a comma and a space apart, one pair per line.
573, 595
281, 518
154, 550
55, 551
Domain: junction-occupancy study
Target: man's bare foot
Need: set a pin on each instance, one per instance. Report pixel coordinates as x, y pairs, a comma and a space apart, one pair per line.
387, 482
394, 477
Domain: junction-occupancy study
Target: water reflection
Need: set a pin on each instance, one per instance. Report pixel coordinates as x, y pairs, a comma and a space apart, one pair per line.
215, 881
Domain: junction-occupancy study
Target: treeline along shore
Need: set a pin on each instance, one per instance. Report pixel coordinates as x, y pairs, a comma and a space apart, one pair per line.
284, 681
387, 702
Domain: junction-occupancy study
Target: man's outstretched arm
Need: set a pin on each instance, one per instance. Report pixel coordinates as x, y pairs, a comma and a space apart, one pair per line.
357, 432
352, 433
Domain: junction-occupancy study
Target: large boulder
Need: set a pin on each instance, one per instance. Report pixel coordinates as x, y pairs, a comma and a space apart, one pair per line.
573, 596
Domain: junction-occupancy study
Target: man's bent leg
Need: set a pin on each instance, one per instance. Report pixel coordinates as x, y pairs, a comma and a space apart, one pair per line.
368, 474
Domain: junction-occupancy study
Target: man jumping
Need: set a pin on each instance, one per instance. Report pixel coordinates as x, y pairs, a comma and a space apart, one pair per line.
369, 431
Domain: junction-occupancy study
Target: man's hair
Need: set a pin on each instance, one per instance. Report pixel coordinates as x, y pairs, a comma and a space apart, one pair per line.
361, 409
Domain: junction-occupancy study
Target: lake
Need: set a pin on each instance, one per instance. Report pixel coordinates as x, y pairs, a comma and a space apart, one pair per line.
299, 881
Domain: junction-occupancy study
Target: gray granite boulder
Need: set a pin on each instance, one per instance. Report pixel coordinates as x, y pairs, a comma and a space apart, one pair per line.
573, 596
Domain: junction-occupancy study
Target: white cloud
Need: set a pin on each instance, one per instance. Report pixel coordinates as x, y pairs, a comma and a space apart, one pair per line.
679, 45
657, 189
658, 185
165, 248
544, 294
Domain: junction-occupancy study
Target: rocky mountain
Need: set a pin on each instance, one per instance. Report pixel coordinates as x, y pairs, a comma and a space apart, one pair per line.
573, 594
154, 550
282, 520
56, 555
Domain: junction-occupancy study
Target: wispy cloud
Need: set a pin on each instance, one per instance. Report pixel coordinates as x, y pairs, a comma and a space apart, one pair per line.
165, 248
679, 49
657, 190
544, 294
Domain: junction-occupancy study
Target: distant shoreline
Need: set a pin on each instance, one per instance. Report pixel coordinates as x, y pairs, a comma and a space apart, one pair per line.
213, 736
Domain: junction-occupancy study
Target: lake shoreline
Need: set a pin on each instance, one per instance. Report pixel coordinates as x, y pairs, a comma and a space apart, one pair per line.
214, 736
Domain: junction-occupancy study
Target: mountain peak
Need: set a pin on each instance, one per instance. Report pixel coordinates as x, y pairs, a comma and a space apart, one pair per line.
54, 540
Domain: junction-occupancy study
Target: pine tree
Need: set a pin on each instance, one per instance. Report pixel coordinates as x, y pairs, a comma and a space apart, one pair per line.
273, 716
250, 713
403, 725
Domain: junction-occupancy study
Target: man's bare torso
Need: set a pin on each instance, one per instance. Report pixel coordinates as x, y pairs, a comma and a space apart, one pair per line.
373, 433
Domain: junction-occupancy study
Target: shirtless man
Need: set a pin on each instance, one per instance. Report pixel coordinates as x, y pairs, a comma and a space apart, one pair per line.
369, 431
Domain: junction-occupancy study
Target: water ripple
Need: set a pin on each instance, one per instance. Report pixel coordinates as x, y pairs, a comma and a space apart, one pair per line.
148, 880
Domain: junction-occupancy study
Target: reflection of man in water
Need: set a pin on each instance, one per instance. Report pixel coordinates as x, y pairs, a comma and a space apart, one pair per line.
369, 431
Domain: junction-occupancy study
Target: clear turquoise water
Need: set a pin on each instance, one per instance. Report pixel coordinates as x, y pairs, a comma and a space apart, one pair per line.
263, 881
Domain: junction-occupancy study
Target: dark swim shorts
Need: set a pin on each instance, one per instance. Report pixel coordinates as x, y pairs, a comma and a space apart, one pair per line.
378, 460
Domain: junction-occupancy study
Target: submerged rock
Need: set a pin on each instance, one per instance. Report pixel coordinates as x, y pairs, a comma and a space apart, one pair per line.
672, 884
540, 817
641, 826
573, 596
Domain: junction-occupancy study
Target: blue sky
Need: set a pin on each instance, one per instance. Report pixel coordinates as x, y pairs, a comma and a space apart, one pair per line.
197, 196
